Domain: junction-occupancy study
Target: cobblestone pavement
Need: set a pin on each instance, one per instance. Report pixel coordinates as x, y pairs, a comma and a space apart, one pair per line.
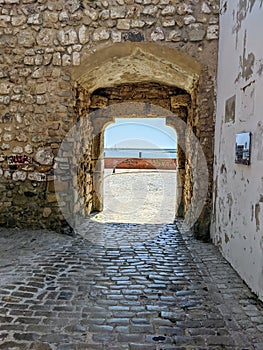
159, 290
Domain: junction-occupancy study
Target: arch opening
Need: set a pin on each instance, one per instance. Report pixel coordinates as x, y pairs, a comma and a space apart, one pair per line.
139, 182
150, 76
147, 100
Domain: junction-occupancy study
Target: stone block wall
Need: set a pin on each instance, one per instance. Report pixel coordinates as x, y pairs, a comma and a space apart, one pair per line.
42, 42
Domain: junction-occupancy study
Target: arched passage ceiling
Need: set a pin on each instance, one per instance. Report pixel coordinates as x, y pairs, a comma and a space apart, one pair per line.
123, 63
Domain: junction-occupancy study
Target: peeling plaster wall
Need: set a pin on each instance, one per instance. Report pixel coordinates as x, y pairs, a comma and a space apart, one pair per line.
237, 225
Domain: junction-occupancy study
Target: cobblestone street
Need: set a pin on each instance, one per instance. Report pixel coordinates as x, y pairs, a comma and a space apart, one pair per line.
167, 291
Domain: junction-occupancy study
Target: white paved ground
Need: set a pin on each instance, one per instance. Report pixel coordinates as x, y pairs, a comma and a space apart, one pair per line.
139, 196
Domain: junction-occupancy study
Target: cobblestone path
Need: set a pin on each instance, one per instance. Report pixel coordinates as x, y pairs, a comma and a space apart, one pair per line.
166, 291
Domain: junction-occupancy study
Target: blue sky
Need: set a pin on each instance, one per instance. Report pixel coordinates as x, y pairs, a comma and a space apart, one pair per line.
139, 133
243, 139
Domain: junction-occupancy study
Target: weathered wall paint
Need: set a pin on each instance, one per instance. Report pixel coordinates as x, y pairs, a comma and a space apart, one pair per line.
237, 225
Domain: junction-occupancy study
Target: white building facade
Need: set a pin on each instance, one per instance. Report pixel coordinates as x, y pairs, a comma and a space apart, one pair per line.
237, 224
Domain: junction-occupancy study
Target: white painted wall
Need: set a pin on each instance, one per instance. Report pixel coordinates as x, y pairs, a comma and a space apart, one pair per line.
237, 225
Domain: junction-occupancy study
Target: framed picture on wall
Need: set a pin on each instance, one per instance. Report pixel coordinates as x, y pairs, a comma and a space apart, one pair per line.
243, 148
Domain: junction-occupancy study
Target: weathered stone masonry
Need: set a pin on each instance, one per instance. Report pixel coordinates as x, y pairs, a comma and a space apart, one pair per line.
46, 49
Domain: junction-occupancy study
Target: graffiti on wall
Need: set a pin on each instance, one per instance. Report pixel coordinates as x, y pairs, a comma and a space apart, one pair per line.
19, 159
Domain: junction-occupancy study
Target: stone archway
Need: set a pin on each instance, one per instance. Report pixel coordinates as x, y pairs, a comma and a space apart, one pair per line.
149, 94
137, 62
108, 76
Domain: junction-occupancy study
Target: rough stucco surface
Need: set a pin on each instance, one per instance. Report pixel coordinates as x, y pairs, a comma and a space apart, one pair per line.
146, 62
237, 225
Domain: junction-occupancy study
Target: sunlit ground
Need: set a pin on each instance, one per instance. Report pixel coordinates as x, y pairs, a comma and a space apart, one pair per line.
138, 196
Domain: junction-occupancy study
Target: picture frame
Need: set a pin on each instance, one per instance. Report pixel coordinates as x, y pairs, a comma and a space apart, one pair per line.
243, 148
